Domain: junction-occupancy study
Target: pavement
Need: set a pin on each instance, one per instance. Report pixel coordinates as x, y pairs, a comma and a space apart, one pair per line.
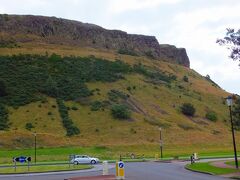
133, 171
104, 177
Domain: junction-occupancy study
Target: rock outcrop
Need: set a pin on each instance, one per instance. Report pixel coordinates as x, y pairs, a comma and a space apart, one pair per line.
54, 30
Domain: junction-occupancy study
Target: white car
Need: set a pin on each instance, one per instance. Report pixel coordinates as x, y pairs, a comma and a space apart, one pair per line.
84, 159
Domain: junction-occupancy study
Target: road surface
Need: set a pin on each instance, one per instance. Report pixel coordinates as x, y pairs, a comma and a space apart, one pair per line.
133, 171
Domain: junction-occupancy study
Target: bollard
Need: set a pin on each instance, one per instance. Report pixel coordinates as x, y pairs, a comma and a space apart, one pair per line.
120, 171
105, 168
195, 156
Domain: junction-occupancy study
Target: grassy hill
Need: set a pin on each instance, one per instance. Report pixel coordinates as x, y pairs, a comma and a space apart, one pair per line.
154, 92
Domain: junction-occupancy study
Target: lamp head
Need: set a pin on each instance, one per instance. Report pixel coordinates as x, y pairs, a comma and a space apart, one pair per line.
229, 101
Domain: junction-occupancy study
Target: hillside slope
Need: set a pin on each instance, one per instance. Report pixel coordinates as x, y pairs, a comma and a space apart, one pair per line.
153, 90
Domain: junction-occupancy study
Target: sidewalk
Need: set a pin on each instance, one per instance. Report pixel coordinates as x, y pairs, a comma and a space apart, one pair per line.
105, 177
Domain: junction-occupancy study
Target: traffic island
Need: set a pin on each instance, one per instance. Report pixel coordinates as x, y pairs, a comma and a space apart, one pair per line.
102, 177
214, 168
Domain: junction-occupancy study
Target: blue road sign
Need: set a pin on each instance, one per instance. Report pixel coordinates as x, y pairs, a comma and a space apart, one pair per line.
22, 159
121, 165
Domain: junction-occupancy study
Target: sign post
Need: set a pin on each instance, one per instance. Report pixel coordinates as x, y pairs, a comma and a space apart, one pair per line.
21, 159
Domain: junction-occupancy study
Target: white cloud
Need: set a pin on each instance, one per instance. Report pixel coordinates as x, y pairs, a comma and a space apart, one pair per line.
120, 6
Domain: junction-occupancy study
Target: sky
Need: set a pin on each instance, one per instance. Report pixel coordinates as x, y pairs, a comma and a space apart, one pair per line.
192, 24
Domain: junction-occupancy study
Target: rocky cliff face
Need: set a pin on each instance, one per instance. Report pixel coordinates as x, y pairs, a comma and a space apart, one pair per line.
61, 31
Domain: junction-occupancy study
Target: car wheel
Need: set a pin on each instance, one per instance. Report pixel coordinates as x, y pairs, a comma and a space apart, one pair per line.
75, 162
93, 162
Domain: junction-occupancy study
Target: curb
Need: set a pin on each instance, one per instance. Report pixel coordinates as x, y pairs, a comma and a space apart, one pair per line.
38, 172
198, 171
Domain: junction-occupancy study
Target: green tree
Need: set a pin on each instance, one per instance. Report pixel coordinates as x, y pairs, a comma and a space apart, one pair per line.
188, 109
232, 42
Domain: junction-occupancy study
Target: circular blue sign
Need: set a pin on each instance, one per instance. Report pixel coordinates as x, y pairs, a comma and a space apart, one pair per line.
22, 159
121, 165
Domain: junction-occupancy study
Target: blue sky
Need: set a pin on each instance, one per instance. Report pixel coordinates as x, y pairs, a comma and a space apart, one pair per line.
192, 24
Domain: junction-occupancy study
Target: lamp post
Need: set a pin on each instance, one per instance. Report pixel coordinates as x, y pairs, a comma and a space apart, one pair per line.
229, 103
35, 147
161, 142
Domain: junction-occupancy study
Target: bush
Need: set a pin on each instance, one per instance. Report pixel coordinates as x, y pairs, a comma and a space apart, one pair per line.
29, 126
67, 122
4, 125
120, 111
74, 108
96, 105
212, 116
188, 109
153, 74
114, 95
3, 91
24, 77
185, 78
127, 52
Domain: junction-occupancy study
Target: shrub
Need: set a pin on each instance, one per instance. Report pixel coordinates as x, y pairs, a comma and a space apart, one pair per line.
120, 111
67, 122
212, 116
4, 125
153, 74
96, 105
114, 95
3, 91
74, 108
149, 54
29, 126
185, 78
127, 52
188, 109
55, 76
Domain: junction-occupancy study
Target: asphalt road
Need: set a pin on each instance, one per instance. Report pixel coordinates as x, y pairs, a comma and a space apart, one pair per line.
133, 171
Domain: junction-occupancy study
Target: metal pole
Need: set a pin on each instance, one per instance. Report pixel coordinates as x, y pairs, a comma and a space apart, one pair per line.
233, 136
160, 137
35, 147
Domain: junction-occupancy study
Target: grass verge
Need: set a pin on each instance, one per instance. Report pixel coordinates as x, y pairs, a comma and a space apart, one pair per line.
37, 169
206, 167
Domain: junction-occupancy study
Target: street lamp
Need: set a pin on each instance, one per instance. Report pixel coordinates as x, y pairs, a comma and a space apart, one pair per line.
161, 142
35, 147
229, 101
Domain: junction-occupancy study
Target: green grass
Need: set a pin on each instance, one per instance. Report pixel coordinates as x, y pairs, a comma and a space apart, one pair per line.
103, 153
232, 163
207, 168
48, 168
